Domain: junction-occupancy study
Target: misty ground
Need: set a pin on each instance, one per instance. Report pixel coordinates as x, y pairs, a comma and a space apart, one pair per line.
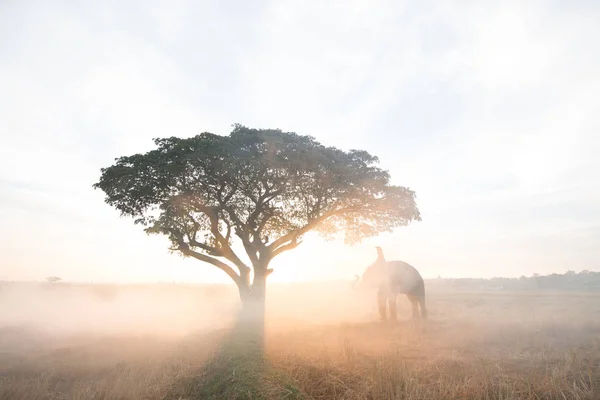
66, 341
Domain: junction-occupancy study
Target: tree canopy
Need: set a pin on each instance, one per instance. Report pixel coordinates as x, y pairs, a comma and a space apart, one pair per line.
263, 187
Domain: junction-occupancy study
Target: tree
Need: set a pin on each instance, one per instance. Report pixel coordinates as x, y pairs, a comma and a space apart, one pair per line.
260, 189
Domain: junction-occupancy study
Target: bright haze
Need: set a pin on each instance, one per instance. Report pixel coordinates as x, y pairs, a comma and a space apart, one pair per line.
489, 112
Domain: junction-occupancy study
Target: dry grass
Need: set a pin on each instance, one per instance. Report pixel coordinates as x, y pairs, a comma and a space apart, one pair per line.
433, 362
475, 346
100, 368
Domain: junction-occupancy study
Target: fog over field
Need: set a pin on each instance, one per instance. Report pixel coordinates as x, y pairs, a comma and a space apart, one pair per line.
64, 308
143, 341
178, 309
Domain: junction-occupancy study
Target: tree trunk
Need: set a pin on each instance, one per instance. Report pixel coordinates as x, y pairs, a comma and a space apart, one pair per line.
253, 302
253, 297
251, 321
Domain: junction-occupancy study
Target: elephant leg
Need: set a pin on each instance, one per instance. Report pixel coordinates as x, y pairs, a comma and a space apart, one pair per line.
381, 302
423, 307
415, 305
393, 308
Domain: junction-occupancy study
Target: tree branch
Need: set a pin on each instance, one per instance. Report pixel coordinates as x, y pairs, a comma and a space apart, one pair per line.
223, 241
291, 245
263, 223
242, 232
219, 264
213, 251
259, 208
223, 249
310, 225
228, 234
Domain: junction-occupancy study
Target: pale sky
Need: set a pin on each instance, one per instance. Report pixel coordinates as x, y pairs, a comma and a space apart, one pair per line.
489, 110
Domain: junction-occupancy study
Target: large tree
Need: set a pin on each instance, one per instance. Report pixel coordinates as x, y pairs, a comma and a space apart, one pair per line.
262, 188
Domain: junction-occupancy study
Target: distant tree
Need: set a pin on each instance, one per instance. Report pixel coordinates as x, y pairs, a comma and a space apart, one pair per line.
263, 189
53, 279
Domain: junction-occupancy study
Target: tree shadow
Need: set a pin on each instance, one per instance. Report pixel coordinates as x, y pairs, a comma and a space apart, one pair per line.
238, 369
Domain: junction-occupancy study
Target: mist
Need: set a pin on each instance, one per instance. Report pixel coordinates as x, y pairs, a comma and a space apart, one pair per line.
152, 339
178, 309
171, 309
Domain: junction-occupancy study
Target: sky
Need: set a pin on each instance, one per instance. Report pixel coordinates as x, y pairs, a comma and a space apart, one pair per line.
488, 110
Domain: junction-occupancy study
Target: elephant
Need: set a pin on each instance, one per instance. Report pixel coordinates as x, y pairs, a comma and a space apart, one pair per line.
392, 278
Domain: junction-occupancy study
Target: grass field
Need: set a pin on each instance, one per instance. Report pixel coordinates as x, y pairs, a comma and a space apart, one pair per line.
488, 345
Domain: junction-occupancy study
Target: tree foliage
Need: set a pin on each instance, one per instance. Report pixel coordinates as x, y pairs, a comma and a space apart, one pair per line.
265, 188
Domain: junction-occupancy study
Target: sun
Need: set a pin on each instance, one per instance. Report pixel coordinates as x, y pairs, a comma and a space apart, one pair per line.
296, 265
315, 260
